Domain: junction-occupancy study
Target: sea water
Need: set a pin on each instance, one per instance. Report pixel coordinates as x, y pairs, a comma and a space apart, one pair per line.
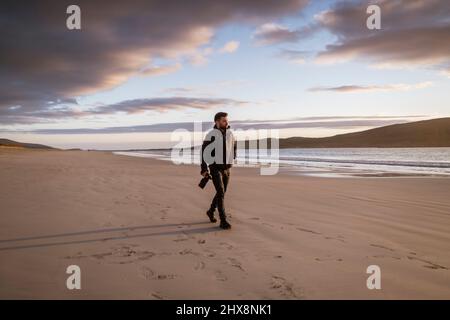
338, 161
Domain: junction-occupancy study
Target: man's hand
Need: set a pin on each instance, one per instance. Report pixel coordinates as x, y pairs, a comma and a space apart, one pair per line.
205, 174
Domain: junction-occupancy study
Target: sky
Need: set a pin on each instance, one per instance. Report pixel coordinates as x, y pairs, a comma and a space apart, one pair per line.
138, 70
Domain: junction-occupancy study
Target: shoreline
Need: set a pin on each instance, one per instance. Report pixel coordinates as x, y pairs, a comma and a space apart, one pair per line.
304, 170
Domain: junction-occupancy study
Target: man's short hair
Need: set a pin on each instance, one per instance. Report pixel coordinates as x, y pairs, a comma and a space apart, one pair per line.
220, 115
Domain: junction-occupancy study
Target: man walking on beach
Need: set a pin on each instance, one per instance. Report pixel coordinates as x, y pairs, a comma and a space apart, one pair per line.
218, 152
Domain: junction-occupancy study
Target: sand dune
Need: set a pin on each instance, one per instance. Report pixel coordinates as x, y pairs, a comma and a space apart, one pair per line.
137, 228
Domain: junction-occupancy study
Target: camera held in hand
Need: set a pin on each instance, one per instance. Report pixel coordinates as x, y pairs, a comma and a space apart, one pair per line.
204, 181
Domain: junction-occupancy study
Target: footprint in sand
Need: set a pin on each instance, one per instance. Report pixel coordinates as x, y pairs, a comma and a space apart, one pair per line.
429, 264
285, 288
226, 245
147, 273
382, 256
210, 254
164, 214
199, 266
268, 224
235, 263
119, 254
188, 251
166, 276
381, 246
181, 237
220, 276
307, 230
333, 238
156, 295
329, 259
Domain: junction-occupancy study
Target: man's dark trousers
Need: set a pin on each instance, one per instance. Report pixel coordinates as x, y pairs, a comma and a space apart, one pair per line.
220, 177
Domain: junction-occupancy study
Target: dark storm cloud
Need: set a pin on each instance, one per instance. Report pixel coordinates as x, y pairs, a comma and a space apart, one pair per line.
413, 32
42, 61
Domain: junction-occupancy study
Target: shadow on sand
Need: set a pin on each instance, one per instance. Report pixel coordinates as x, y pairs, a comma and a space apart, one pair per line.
179, 226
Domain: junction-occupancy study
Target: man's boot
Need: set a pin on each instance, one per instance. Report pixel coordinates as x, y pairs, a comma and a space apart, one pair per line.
210, 214
224, 223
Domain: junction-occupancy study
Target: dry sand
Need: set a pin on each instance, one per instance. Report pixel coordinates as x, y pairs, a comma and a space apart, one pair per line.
137, 228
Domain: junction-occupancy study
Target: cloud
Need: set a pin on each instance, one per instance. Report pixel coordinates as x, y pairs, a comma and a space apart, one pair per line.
200, 56
178, 90
293, 56
272, 33
372, 88
159, 104
229, 47
415, 33
41, 60
210, 89
330, 122
165, 104
161, 70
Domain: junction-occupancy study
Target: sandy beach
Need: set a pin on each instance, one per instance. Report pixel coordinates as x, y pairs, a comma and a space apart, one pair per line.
137, 229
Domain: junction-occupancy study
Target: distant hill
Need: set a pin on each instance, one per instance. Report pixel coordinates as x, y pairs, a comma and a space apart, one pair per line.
11, 143
427, 133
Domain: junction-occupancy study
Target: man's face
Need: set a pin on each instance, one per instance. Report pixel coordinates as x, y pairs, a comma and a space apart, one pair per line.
222, 123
